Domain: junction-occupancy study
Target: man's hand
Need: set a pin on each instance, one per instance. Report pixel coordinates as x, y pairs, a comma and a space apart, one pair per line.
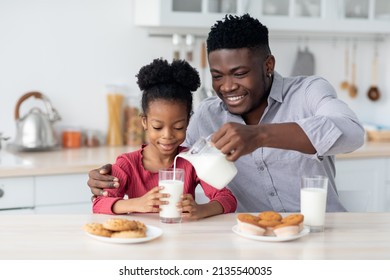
235, 140
100, 179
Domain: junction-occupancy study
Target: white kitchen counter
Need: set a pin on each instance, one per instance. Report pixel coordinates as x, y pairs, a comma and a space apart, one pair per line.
369, 150
62, 161
66, 161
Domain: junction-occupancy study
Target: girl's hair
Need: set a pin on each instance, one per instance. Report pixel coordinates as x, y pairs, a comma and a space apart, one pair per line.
172, 82
235, 32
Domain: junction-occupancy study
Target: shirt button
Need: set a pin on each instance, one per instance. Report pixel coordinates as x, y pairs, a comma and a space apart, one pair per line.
272, 194
261, 168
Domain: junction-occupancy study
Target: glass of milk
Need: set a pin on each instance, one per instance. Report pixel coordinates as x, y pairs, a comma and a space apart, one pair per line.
172, 179
313, 201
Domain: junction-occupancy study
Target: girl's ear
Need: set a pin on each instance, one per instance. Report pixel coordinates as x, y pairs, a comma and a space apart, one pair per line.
144, 122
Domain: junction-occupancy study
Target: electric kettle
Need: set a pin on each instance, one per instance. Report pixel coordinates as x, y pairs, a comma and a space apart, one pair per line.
34, 131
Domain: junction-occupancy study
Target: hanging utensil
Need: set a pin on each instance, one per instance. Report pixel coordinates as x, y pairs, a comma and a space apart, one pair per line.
352, 90
304, 62
373, 92
344, 85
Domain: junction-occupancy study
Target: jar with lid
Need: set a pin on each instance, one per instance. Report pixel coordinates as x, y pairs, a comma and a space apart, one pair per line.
71, 137
115, 98
92, 138
134, 134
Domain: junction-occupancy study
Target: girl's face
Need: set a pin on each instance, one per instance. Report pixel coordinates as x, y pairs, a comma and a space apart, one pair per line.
166, 124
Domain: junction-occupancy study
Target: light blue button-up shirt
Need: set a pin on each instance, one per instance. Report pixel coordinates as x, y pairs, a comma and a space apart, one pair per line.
269, 178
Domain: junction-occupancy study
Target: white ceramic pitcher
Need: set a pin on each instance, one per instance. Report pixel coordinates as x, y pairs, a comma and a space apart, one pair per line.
210, 163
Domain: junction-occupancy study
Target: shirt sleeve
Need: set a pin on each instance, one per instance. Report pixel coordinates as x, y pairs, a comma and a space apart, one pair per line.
104, 204
333, 127
224, 196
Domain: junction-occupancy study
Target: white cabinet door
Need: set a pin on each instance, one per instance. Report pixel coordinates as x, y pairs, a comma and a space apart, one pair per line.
16, 193
387, 187
183, 13
364, 16
67, 192
361, 184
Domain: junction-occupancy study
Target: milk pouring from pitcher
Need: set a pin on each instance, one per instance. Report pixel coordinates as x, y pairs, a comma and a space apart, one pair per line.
210, 163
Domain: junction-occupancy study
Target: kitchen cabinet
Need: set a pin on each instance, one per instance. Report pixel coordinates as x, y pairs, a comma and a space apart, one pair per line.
364, 184
182, 13
357, 16
54, 194
16, 193
62, 194
386, 193
52, 182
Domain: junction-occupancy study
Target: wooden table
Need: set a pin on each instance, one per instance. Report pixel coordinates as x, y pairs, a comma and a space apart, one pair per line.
351, 236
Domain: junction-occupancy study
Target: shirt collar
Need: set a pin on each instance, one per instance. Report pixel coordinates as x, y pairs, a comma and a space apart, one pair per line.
277, 88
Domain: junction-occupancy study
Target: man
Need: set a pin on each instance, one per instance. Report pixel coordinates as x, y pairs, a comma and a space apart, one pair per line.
275, 129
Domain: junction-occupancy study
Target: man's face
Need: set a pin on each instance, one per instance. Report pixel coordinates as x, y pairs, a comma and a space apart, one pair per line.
239, 79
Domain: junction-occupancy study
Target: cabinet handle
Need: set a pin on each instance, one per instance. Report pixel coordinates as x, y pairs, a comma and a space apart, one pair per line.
1, 193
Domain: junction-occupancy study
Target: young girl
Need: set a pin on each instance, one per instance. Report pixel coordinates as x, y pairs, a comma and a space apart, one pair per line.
167, 106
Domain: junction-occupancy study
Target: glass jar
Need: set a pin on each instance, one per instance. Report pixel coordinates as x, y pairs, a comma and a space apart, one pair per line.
134, 134
115, 100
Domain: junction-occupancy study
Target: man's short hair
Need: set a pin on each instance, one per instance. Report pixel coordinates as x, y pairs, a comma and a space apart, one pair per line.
235, 32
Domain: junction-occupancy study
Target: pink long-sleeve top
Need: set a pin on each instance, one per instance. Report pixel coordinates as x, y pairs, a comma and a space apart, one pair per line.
135, 181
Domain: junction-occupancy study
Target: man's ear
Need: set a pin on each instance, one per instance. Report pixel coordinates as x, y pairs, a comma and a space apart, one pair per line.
270, 64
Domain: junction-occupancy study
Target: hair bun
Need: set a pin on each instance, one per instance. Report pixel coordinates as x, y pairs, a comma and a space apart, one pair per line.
161, 72
185, 75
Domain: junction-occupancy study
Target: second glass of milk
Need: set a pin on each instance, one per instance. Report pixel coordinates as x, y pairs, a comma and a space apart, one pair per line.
173, 182
313, 201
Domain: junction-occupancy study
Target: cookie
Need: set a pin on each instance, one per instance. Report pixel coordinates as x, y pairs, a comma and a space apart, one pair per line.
249, 223
293, 219
138, 233
270, 216
269, 226
118, 224
267, 223
141, 226
97, 229
248, 218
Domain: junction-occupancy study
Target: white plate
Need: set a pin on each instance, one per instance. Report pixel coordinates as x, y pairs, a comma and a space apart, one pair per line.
303, 232
151, 233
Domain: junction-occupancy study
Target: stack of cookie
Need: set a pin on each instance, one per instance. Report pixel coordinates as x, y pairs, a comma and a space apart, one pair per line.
117, 228
270, 223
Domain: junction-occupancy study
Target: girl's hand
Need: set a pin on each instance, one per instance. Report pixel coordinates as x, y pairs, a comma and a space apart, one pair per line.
149, 202
189, 208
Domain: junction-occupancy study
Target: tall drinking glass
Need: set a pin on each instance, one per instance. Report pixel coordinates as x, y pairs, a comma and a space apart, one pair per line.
173, 182
313, 201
